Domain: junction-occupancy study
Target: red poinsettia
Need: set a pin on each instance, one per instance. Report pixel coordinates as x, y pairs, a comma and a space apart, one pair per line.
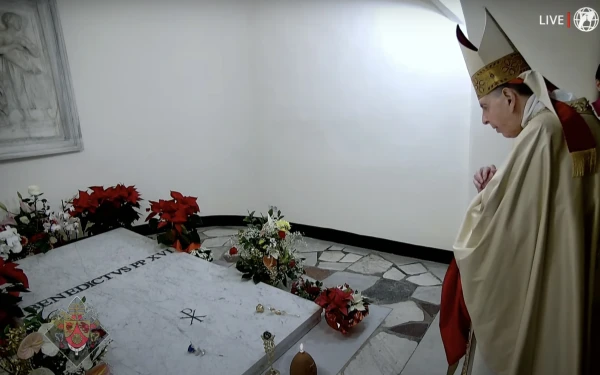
9, 296
344, 308
335, 299
177, 216
9, 273
175, 211
108, 208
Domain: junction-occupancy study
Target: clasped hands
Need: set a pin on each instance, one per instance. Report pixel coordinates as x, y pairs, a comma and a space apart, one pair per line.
483, 176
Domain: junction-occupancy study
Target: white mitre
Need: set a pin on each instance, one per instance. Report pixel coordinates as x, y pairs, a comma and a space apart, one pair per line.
496, 62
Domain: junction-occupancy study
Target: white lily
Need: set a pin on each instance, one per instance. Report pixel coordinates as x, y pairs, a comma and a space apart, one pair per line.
48, 348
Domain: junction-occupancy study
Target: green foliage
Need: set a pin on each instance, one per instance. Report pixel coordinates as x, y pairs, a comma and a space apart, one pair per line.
307, 289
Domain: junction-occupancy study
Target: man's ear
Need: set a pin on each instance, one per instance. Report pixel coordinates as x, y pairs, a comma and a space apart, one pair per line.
598, 84
510, 96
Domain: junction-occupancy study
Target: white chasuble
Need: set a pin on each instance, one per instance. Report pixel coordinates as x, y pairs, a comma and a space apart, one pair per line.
527, 253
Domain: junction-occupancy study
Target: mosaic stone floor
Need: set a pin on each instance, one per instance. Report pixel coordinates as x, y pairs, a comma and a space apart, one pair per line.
408, 342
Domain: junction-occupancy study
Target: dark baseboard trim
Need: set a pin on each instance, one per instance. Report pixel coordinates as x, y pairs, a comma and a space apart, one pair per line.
333, 235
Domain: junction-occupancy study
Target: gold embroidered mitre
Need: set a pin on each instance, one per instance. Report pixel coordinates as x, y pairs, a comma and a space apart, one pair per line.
496, 61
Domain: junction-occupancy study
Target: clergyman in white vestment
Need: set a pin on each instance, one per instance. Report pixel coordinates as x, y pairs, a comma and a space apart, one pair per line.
526, 255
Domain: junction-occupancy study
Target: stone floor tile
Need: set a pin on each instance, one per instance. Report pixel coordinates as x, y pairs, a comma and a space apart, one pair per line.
398, 260
317, 273
437, 269
430, 357
220, 232
431, 294
425, 279
429, 308
370, 265
310, 259
202, 236
414, 330
384, 354
403, 312
314, 245
333, 266
413, 269
386, 292
357, 250
216, 242
337, 246
331, 256
394, 274
351, 258
356, 281
204, 229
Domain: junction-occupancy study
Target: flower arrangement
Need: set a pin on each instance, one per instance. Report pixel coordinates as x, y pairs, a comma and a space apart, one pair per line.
178, 217
307, 289
26, 350
344, 307
267, 250
13, 281
35, 228
106, 209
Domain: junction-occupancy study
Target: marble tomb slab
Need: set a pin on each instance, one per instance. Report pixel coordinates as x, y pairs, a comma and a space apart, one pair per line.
79, 262
141, 306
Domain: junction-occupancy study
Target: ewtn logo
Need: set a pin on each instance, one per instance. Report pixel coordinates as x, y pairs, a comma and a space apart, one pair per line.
585, 19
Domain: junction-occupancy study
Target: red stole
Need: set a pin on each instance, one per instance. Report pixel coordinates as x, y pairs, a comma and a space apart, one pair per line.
455, 321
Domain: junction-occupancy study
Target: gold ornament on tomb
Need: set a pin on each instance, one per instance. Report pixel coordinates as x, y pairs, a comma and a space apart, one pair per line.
303, 363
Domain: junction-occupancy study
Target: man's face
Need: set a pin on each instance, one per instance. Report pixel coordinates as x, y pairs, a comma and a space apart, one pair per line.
498, 111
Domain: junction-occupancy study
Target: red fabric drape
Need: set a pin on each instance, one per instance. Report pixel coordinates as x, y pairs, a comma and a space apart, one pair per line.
455, 321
